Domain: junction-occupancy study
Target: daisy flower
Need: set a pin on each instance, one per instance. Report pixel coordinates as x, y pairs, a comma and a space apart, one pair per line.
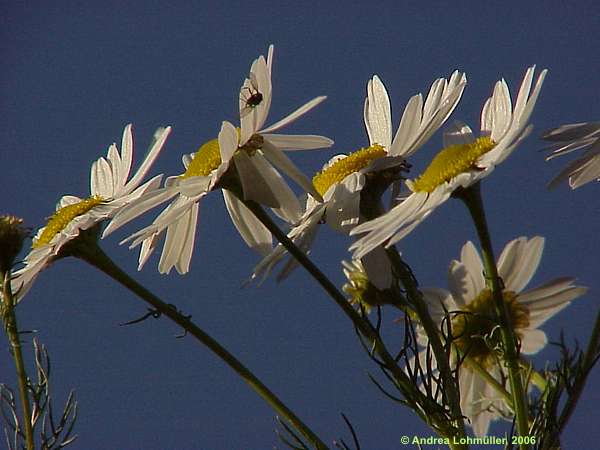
110, 192
342, 179
568, 138
468, 310
253, 151
463, 162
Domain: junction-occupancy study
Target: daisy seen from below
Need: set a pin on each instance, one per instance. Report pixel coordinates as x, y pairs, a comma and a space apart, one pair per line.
568, 138
462, 163
110, 192
342, 178
253, 152
467, 311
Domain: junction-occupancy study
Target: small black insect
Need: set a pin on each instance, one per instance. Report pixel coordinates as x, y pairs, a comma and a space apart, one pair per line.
252, 98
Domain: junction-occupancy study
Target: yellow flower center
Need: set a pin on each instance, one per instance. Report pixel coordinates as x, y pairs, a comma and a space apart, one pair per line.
340, 169
205, 160
63, 216
450, 162
474, 328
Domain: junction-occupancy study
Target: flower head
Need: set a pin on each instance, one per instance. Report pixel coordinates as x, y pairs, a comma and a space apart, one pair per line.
342, 178
254, 152
467, 310
568, 138
463, 162
12, 235
110, 192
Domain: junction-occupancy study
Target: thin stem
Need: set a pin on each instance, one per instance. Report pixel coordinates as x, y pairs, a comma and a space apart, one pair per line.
433, 334
12, 330
362, 326
471, 196
97, 258
591, 357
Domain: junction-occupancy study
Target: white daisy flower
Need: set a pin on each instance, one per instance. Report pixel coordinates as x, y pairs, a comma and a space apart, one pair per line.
568, 138
110, 192
463, 162
342, 179
468, 310
251, 151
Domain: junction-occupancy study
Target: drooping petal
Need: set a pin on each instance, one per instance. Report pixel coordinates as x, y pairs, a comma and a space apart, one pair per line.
254, 233
139, 207
253, 183
285, 165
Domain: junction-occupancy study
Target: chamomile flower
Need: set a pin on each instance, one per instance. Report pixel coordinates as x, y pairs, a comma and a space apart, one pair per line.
110, 192
252, 151
342, 179
463, 162
468, 311
568, 138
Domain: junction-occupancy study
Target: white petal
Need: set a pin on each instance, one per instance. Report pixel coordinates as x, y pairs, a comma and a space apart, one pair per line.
253, 183
228, 141
139, 207
533, 341
180, 237
384, 227
158, 142
254, 233
378, 268
101, 181
409, 124
519, 261
290, 142
294, 115
285, 165
67, 200
114, 160
126, 151
183, 263
290, 210
377, 114
458, 134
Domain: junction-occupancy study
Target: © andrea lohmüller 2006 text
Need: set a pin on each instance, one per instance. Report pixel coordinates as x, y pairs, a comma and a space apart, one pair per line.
485, 440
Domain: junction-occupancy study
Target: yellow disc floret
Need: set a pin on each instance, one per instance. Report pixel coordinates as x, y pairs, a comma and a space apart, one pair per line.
340, 169
206, 159
474, 328
450, 162
63, 216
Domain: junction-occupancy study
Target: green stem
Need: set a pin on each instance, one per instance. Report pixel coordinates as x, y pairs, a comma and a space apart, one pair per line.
12, 330
471, 196
433, 335
97, 258
362, 326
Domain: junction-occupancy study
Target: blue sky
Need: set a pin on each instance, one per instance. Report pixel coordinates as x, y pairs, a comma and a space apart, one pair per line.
74, 75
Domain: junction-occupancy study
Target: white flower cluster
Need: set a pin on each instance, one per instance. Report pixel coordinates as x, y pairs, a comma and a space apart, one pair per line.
248, 162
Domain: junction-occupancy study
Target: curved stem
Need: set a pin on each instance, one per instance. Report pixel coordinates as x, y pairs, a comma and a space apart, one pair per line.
471, 196
362, 326
97, 258
12, 330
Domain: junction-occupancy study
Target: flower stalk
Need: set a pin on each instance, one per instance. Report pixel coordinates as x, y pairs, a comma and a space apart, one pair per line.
12, 330
90, 252
471, 196
363, 327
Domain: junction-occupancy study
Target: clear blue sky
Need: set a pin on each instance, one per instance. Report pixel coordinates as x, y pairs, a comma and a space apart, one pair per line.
73, 76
